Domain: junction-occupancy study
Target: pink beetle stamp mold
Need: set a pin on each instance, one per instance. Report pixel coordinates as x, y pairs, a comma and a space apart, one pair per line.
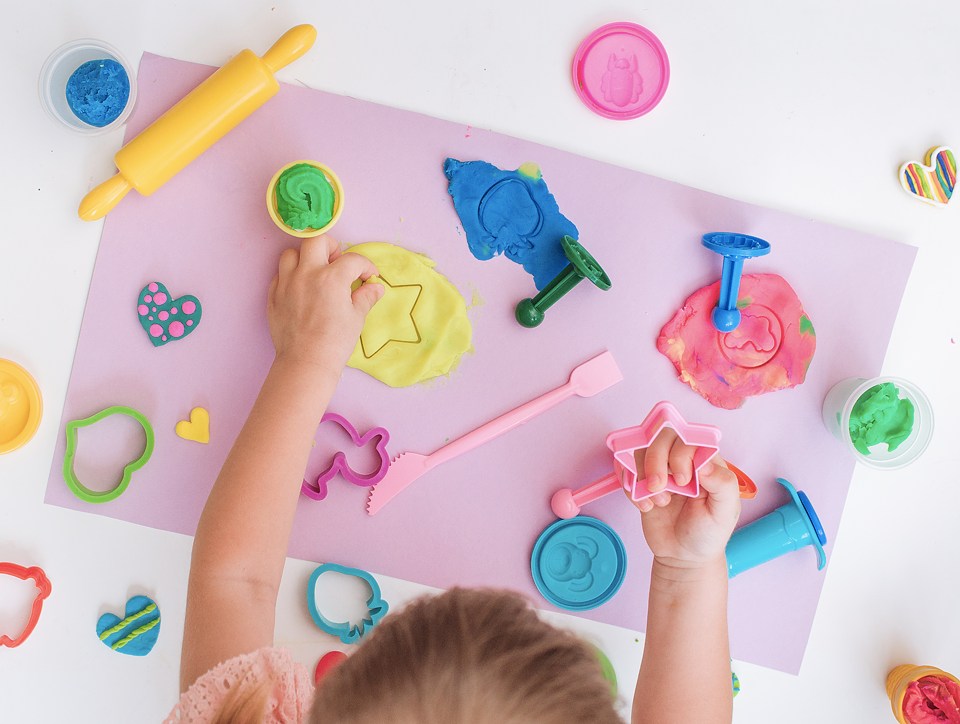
621, 71
339, 464
164, 318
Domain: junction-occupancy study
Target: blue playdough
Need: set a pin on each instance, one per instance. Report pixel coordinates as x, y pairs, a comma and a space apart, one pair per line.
511, 213
134, 634
97, 92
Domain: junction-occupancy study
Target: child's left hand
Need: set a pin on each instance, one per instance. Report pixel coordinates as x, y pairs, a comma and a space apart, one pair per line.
681, 531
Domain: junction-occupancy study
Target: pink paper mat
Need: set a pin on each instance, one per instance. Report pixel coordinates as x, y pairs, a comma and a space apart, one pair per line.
472, 521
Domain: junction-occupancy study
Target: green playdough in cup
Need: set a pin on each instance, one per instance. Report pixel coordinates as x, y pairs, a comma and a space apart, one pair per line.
880, 416
305, 198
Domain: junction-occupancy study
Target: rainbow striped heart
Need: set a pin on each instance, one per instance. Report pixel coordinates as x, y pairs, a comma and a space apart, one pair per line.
932, 182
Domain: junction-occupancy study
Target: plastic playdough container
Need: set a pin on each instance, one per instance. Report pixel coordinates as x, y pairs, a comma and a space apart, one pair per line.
58, 68
21, 406
838, 406
621, 71
900, 678
337, 206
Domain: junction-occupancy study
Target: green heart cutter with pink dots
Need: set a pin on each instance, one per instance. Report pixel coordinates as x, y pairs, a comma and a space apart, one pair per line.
164, 318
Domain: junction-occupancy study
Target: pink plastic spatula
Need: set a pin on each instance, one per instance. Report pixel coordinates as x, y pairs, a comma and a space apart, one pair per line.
586, 380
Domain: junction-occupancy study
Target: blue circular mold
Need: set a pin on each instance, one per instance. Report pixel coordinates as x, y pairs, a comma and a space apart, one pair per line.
578, 564
98, 91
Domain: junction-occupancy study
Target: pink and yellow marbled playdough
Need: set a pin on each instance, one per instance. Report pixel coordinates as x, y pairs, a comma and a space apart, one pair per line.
770, 350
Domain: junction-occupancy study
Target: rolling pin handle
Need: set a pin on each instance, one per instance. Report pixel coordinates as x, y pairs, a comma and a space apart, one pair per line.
100, 200
291, 45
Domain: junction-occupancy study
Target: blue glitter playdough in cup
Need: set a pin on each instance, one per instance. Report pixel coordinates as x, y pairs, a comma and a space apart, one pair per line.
88, 86
97, 91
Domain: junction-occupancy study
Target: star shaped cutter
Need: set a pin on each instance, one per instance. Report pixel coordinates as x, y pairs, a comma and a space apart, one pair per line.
624, 444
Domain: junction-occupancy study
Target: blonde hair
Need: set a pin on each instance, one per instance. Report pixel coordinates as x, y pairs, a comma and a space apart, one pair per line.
467, 655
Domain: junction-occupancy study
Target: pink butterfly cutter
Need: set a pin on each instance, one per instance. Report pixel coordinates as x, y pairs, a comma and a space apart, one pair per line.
339, 464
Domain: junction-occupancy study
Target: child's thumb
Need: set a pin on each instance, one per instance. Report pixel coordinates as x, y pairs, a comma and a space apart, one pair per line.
366, 295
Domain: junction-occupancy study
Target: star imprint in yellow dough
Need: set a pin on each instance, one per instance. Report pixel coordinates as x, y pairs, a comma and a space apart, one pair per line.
391, 319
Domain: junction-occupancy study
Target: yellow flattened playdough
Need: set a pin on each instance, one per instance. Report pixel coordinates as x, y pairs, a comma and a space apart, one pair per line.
419, 328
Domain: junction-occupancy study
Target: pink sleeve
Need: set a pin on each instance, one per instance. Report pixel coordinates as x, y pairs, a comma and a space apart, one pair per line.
291, 691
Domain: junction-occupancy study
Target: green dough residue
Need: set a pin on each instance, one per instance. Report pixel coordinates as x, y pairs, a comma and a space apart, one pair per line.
806, 326
305, 198
744, 303
880, 416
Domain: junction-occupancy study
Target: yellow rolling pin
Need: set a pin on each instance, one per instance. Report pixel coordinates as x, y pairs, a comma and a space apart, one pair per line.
199, 120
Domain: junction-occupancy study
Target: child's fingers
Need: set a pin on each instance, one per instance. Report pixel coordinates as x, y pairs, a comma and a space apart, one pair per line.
355, 266
318, 251
681, 462
719, 482
366, 295
272, 293
655, 460
288, 264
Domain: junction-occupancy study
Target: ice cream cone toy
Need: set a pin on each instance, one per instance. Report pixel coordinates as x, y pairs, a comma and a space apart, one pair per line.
921, 694
196, 122
305, 198
529, 312
788, 528
734, 248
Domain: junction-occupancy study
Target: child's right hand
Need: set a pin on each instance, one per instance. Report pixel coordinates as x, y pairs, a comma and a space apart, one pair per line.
315, 316
681, 531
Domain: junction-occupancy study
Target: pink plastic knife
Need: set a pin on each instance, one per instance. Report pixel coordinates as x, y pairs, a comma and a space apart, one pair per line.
586, 380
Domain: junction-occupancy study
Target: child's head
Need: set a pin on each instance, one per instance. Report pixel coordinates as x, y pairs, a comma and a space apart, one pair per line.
467, 655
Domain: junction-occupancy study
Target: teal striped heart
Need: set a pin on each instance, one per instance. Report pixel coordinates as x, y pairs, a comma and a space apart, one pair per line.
136, 633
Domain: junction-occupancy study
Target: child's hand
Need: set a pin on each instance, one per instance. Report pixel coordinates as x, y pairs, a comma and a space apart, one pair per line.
685, 531
314, 315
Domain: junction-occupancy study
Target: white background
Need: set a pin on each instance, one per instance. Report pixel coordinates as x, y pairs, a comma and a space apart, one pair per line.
808, 107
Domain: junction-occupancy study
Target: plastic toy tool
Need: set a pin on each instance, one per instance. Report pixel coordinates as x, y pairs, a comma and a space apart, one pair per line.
586, 380
582, 266
578, 564
623, 444
196, 122
788, 528
42, 584
734, 248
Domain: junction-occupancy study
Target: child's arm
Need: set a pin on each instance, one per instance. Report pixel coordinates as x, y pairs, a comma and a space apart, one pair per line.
241, 540
685, 672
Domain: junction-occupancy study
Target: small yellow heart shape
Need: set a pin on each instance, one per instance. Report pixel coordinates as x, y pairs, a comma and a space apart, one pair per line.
197, 428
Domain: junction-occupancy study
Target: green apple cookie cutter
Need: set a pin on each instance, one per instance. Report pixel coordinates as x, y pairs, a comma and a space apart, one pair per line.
76, 487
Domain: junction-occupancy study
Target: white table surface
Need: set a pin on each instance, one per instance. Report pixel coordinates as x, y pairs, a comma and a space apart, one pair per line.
807, 107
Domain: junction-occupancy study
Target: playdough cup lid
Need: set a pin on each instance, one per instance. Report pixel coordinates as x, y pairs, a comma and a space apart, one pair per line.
578, 564
621, 71
337, 202
20, 406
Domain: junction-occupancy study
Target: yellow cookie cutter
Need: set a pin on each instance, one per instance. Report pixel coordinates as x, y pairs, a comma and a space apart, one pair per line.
21, 406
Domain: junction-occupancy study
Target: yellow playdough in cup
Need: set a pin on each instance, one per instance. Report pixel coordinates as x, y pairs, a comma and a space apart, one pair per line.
419, 328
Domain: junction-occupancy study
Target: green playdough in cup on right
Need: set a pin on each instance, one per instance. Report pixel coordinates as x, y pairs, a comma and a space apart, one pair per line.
880, 416
305, 198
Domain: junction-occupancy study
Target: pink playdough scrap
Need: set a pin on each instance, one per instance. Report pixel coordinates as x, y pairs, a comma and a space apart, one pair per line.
770, 350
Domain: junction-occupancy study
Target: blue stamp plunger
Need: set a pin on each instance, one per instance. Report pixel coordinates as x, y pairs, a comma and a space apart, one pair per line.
734, 248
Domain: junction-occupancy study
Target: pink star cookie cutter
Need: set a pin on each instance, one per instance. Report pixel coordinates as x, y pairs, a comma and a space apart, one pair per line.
624, 444
339, 464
